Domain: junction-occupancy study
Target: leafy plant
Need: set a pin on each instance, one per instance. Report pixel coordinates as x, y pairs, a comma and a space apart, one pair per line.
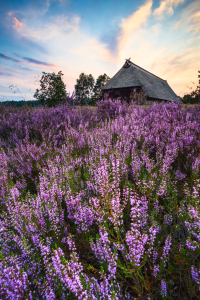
84, 88
52, 89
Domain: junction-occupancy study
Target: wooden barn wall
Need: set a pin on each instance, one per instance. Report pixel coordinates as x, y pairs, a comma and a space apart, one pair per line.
134, 94
126, 94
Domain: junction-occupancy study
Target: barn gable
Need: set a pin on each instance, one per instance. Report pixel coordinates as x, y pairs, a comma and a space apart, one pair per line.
133, 76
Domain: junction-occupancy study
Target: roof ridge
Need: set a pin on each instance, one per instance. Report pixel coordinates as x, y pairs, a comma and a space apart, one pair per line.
147, 71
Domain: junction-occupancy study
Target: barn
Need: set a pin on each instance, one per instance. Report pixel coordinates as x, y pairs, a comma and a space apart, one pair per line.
133, 83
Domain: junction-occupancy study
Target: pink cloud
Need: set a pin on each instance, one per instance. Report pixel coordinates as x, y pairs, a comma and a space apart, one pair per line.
10, 13
40, 65
16, 23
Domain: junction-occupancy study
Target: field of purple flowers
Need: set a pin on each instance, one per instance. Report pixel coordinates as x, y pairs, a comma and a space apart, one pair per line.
100, 203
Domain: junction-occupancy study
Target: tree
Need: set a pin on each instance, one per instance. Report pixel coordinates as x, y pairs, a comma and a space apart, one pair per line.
194, 96
84, 88
52, 89
100, 82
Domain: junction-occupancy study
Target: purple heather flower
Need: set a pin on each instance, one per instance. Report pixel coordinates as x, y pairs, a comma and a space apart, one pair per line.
195, 275
156, 269
163, 289
166, 249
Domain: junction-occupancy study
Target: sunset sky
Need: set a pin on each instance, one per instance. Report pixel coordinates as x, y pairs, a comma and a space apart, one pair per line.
95, 37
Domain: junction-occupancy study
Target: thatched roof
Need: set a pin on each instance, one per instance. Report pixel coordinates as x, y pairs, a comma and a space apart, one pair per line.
131, 75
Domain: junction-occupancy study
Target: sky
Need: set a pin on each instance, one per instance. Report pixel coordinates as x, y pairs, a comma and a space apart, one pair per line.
95, 37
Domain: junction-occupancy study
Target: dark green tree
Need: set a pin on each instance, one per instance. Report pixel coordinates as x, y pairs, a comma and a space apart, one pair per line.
84, 88
99, 84
52, 89
194, 96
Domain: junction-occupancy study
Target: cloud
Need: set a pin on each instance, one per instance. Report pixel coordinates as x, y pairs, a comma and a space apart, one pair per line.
37, 62
17, 55
29, 60
5, 74
46, 6
35, 32
10, 13
156, 29
196, 21
17, 24
134, 22
24, 68
189, 21
6, 57
171, 52
180, 69
110, 38
191, 17
54, 29
178, 23
27, 42
91, 49
20, 31
166, 8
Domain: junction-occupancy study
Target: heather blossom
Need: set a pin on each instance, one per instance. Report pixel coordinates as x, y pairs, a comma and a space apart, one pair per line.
195, 275
156, 269
100, 203
163, 289
166, 248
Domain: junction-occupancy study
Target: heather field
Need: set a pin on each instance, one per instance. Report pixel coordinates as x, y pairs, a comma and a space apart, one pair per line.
100, 203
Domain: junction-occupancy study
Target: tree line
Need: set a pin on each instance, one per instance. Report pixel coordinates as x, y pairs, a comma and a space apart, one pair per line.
87, 91
53, 90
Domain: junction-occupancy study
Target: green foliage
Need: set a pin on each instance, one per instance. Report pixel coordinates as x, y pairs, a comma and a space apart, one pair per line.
194, 96
100, 82
87, 90
84, 88
12, 103
52, 89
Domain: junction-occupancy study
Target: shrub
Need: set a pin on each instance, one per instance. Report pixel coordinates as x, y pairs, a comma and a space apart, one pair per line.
114, 212
111, 109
